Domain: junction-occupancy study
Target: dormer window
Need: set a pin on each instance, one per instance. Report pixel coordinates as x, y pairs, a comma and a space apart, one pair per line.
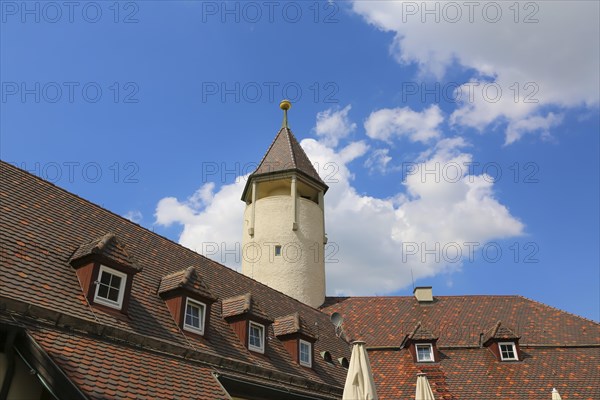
195, 314
502, 342
110, 287
256, 337
424, 353
105, 271
305, 353
508, 351
422, 345
248, 321
188, 299
298, 338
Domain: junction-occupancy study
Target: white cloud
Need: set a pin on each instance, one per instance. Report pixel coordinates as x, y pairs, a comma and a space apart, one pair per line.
134, 216
422, 126
333, 125
367, 251
378, 160
538, 53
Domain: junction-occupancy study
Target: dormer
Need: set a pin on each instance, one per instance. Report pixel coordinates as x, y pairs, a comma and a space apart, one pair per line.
297, 337
105, 271
248, 321
502, 342
422, 345
188, 298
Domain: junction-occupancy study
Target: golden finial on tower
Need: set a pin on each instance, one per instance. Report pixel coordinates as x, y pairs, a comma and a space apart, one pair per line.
285, 105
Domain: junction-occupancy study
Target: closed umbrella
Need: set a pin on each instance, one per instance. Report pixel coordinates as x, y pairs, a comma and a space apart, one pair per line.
423, 391
359, 381
555, 394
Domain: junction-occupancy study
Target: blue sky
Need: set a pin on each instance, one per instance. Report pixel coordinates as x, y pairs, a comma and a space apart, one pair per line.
460, 144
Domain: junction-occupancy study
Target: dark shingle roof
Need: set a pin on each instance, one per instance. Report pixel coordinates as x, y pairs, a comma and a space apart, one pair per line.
286, 154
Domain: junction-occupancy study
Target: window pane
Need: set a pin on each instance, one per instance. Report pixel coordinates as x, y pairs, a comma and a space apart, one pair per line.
304, 353
423, 353
116, 281
105, 278
255, 336
103, 291
113, 294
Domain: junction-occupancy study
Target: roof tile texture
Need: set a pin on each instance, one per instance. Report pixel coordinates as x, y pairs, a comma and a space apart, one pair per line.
41, 226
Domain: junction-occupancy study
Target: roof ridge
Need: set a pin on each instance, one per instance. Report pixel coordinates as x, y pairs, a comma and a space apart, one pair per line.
289, 136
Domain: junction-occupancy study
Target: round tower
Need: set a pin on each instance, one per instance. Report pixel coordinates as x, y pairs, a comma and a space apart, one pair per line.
283, 239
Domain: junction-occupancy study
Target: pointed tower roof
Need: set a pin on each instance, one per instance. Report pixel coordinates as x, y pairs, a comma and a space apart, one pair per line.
286, 155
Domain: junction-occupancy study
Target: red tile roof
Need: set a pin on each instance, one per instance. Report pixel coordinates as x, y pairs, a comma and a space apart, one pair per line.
499, 331
558, 349
459, 320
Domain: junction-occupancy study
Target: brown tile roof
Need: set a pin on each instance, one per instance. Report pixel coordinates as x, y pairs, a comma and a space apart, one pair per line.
286, 154
499, 331
243, 304
460, 320
187, 279
106, 370
42, 226
107, 246
292, 323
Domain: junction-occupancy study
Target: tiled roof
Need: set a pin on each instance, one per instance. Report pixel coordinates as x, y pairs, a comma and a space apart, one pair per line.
474, 373
421, 333
292, 323
499, 331
108, 246
243, 304
106, 370
42, 226
284, 154
557, 349
459, 320
187, 279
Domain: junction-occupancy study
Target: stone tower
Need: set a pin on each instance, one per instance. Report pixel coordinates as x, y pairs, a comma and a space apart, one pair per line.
284, 225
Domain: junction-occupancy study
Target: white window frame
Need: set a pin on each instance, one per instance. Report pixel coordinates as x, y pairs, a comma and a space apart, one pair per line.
514, 350
107, 302
252, 347
428, 345
305, 363
192, 328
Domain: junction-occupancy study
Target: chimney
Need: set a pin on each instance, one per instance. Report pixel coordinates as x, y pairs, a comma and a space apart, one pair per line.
423, 294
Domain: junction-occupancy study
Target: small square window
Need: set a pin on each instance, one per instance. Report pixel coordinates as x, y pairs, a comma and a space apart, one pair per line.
194, 316
508, 352
277, 250
110, 287
424, 353
256, 337
305, 353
